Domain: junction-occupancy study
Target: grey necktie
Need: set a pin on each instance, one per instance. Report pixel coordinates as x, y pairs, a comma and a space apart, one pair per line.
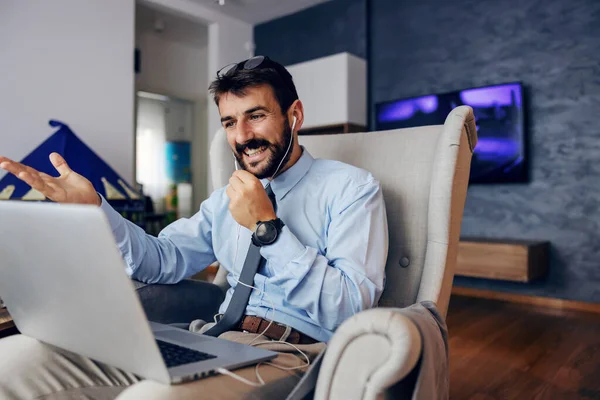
237, 306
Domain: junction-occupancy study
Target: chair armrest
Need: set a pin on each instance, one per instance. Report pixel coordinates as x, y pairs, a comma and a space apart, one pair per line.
182, 302
369, 353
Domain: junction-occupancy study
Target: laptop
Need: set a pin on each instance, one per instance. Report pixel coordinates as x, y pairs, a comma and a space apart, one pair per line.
63, 280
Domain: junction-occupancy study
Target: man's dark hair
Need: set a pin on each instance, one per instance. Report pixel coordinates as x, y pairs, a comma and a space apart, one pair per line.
238, 82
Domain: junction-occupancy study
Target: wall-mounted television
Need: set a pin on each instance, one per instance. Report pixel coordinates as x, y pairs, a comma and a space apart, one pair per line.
501, 154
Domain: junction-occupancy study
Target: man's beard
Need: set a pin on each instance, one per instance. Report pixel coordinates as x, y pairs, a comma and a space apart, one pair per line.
277, 153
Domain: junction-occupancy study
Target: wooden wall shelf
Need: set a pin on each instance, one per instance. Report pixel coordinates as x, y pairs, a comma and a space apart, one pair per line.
333, 129
6, 321
503, 259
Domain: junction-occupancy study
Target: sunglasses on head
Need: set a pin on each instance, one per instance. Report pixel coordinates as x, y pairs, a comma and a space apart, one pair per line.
257, 62
251, 63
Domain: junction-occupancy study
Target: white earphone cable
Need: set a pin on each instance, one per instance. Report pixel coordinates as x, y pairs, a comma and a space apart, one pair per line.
224, 371
261, 381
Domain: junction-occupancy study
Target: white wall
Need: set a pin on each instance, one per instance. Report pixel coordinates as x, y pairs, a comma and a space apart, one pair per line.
69, 60
174, 58
172, 68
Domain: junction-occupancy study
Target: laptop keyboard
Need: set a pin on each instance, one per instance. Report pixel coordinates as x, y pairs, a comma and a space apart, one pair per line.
175, 355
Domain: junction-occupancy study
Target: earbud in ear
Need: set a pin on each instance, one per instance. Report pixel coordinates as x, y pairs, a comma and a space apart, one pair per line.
294, 123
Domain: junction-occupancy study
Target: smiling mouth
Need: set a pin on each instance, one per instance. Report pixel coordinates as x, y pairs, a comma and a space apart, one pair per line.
253, 153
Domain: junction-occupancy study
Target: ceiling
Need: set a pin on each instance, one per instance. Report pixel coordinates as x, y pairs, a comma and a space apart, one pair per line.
169, 27
258, 11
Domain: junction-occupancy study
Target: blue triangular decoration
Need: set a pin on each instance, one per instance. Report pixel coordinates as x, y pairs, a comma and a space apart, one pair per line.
78, 155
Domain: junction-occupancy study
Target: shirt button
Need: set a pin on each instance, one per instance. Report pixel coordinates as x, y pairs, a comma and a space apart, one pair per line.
404, 262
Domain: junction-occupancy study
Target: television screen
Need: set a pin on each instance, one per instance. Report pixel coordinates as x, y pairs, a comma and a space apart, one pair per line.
500, 154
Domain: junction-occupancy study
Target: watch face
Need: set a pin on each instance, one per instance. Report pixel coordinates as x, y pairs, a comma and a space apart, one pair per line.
266, 232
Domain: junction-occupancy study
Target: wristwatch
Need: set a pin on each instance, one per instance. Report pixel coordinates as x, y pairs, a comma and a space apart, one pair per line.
267, 232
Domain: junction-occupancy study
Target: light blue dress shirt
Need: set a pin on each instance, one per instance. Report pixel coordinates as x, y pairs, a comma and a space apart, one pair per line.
327, 264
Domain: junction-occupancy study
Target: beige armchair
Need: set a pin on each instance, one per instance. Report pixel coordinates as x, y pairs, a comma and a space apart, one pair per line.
424, 173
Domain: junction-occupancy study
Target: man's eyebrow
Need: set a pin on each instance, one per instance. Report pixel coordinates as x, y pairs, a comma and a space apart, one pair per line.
254, 109
249, 111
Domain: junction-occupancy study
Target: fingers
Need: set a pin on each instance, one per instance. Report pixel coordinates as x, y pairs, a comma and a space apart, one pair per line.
16, 168
36, 182
5, 160
235, 182
231, 193
245, 176
19, 169
60, 164
12, 166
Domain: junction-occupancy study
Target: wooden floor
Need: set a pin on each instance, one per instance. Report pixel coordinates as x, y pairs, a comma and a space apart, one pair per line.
510, 351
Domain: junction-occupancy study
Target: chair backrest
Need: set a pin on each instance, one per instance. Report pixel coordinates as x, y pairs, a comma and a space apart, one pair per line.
424, 173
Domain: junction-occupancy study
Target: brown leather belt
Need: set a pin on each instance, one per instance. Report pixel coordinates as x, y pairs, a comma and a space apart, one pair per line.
276, 331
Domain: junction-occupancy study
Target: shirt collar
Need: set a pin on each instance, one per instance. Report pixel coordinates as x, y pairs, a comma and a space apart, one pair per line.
284, 182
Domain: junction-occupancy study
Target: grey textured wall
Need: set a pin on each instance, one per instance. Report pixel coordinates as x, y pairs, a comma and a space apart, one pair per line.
329, 28
553, 47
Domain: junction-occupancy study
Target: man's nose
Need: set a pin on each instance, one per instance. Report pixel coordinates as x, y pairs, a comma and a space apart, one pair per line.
243, 133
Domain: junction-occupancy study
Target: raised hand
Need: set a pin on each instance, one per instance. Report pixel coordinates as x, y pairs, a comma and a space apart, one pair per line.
69, 187
248, 200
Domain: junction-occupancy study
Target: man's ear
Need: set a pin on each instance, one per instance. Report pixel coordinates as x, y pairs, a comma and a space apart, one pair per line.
296, 110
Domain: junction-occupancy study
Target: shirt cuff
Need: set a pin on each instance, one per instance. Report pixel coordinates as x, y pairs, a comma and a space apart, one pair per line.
114, 218
286, 249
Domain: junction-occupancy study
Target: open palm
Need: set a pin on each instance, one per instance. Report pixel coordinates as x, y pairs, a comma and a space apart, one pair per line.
69, 187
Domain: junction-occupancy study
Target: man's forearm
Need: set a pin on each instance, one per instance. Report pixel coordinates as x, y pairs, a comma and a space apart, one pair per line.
174, 256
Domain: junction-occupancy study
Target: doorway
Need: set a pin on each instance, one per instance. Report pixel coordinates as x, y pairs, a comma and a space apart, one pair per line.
164, 134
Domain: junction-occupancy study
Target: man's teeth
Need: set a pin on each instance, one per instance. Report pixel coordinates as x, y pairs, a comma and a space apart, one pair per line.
251, 152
